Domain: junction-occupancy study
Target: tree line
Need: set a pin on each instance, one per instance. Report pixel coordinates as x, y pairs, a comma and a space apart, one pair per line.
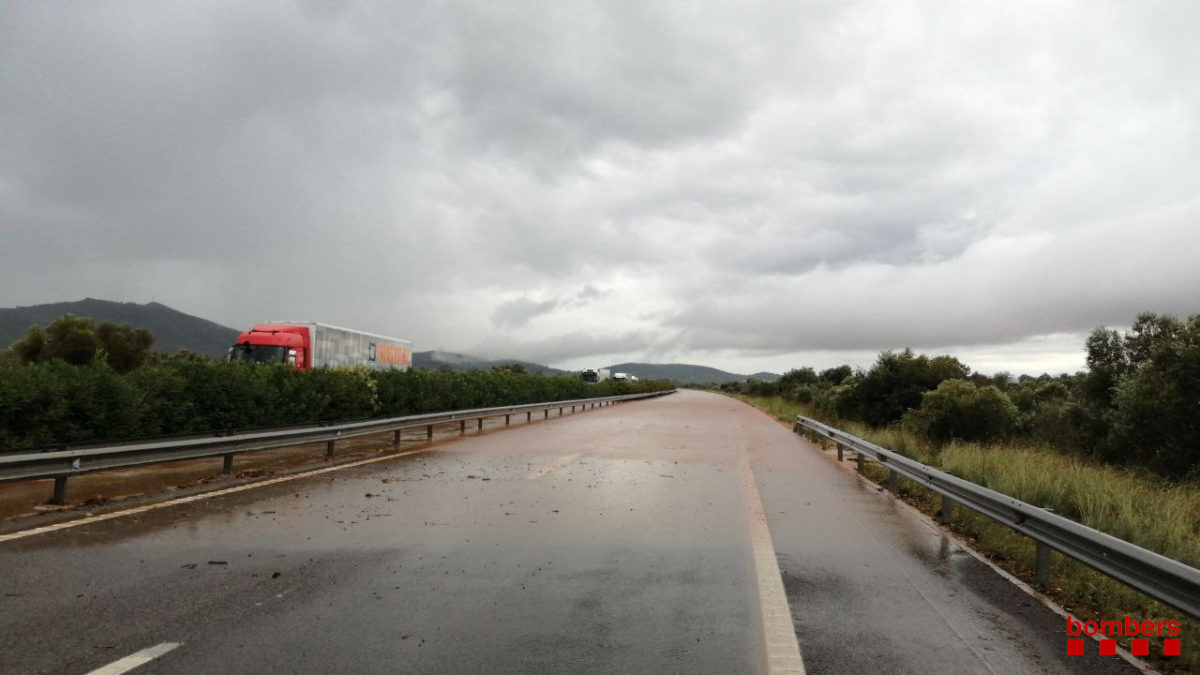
1137, 403
79, 382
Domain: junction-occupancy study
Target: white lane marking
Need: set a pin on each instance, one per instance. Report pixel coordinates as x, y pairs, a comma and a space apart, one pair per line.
136, 659
780, 645
554, 466
87, 520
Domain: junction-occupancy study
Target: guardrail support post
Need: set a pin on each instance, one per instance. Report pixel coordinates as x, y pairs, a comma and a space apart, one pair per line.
227, 467
560, 412
396, 438
506, 419
947, 510
858, 460
841, 451
429, 432
462, 427
480, 427
1042, 565
893, 481
329, 448
546, 414
529, 416
60, 490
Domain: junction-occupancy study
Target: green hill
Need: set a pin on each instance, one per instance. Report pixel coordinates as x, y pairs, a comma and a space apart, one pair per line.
437, 360
685, 373
173, 330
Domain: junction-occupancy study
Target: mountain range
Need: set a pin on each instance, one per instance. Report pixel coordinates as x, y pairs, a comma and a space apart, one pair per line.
175, 330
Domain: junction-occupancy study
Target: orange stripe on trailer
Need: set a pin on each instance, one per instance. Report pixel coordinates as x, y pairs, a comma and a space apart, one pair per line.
393, 354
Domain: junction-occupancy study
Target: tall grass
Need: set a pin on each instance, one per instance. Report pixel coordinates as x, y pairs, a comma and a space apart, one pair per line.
1134, 506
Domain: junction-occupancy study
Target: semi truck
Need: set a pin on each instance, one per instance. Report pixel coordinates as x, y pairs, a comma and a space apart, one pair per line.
595, 376
307, 345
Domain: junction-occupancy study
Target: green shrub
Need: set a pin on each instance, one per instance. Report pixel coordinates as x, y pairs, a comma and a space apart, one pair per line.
960, 410
54, 402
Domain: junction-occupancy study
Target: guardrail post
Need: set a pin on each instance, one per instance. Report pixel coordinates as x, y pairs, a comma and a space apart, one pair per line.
858, 460
560, 412
506, 419
227, 467
529, 416
893, 481
546, 414
396, 438
429, 432
841, 451
60, 491
947, 510
329, 448
1042, 564
462, 427
480, 427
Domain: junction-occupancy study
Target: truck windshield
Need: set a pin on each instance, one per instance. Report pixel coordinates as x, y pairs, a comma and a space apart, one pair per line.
246, 353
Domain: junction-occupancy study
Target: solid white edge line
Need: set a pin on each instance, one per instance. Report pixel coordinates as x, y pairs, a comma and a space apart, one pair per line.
966, 547
136, 659
200, 497
781, 649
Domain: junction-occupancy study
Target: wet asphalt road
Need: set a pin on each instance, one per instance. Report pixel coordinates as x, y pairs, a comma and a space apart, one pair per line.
608, 542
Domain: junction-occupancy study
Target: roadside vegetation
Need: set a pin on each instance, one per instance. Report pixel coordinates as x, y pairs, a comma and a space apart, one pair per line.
75, 382
1131, 504
1116, 447
1136, 405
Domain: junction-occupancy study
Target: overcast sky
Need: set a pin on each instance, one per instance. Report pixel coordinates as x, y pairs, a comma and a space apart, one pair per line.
581, 183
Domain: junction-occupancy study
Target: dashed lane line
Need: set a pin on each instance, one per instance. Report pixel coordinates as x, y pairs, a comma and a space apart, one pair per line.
136, 659
780, 646
87, 520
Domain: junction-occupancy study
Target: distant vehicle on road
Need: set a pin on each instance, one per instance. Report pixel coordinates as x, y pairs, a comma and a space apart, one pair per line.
595, 376
620, 377
307, 345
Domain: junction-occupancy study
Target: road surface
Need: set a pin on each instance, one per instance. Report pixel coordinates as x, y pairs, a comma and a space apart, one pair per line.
623, 540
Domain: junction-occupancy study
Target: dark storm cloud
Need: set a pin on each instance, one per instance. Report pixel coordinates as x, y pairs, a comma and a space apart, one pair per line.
722, 184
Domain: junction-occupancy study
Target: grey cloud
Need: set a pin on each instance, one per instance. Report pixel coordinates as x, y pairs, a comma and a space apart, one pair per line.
737, 183
516, 313
574, 346
520, 311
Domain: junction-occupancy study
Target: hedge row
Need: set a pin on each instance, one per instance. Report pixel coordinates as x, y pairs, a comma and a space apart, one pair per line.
57, 403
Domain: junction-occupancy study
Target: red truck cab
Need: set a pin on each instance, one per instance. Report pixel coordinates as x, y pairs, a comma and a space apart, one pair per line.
274, 343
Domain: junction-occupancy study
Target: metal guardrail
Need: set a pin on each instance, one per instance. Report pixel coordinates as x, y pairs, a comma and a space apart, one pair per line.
63, 464
1166, 580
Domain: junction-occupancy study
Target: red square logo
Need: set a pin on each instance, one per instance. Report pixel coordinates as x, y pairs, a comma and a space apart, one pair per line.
1074, 646
1140, 647
1171, 647
1108, 648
